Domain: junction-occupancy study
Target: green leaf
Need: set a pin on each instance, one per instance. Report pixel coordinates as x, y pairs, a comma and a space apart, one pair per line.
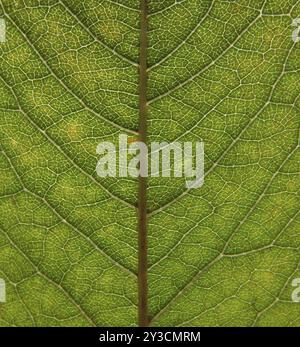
224, 72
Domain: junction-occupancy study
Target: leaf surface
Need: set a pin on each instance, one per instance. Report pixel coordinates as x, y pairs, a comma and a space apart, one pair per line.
224, 72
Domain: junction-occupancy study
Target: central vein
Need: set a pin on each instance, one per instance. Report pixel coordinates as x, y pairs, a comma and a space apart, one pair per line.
142, 190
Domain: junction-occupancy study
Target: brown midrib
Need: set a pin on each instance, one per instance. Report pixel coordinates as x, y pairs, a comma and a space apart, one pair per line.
142, 190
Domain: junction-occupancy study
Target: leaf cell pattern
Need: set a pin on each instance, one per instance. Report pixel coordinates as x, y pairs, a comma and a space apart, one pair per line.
225, 72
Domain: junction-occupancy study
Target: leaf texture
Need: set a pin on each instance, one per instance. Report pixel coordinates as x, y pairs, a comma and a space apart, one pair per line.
225, 72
